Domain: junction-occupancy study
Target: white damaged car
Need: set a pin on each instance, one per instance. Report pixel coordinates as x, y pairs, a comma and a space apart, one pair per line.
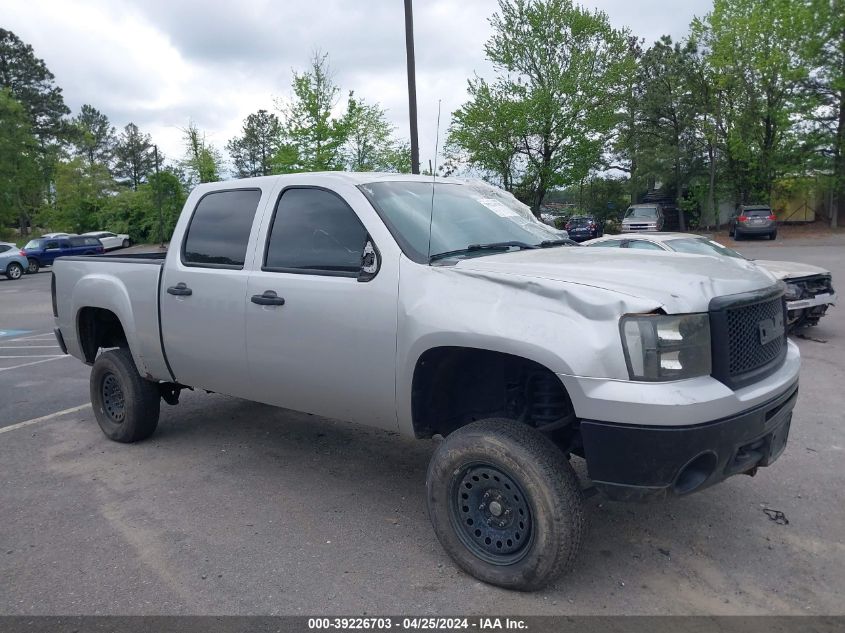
809, 289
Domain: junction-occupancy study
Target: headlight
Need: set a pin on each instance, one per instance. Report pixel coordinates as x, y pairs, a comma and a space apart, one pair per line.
792, 292
666, 347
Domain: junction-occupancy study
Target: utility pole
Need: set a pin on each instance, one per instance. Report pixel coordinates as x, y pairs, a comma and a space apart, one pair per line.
158, 202
412, 87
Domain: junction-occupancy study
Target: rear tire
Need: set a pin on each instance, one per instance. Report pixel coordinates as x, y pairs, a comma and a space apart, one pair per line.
125, 404
126, 243
737, 236
14, 271
33, 267
505, 504
773, 236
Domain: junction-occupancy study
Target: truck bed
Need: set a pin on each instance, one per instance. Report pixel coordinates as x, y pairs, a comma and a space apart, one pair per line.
127, 285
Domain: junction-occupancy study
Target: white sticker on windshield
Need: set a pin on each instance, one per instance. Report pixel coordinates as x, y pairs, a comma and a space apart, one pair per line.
499, 208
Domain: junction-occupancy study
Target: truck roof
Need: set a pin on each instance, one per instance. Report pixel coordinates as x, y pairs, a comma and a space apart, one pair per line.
327, 177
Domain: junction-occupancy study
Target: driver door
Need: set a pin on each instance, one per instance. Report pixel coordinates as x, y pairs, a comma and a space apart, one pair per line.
321, 333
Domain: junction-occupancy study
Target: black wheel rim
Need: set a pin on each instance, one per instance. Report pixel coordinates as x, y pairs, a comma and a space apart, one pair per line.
491, 514
113, 402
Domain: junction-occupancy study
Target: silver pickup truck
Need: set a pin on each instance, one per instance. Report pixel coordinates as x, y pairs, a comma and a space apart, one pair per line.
443, 310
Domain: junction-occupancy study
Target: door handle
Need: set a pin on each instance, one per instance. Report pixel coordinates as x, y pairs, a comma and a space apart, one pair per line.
180, 290
269, 298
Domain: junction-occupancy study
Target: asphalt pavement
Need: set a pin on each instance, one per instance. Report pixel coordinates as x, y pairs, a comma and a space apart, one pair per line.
234, 507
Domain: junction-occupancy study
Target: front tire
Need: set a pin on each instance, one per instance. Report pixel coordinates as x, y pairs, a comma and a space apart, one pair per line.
32, 267
505, 504
125, 404
14, 271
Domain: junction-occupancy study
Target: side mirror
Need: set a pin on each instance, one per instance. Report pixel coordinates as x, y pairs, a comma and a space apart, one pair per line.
370, 261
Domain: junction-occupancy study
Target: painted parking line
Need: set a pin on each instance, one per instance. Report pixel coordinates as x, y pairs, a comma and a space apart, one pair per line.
5, 333
43, 335
43, 418
35, 362
27, 346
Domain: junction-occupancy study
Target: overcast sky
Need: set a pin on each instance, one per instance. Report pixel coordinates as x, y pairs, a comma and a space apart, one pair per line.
158, 63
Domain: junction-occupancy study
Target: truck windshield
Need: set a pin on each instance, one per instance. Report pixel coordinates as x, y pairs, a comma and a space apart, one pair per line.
459, 217
641, 212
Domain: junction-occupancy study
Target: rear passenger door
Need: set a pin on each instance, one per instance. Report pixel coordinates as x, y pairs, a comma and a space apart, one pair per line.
321, 334
203, 293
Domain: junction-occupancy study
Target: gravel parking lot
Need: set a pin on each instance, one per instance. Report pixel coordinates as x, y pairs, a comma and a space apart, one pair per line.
239, 508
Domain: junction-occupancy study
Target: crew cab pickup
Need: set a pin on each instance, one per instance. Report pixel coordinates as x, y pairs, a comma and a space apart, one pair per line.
444, 310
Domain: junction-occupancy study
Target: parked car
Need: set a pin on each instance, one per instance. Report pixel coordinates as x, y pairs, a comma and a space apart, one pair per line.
583, 227
643, 217
111, 240
12, 261
43, 252
753, 219
53, 235
434, 309
809, 289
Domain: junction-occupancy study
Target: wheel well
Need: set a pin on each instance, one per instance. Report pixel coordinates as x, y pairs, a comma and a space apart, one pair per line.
454, 386
99, 328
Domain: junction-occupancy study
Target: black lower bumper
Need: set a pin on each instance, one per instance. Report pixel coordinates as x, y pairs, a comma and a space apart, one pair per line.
631, 462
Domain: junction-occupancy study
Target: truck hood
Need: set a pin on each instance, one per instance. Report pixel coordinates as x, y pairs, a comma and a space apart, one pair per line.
790, 270
677, 282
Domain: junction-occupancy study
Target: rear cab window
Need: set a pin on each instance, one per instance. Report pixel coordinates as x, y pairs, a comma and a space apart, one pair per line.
757, 213
219, 230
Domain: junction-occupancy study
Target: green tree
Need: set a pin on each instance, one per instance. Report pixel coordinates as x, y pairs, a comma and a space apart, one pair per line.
485, 132
82, 191
758, 53
134, 157
202, 160
827, 90
33, 85
369, 136
20, 177
397, 158
668, 111
313, 137
252, 152
136, 211
561, 68
626, 145
92, 136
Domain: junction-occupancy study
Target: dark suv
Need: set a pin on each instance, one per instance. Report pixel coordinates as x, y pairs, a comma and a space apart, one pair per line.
44, 251
583, 227
753, 219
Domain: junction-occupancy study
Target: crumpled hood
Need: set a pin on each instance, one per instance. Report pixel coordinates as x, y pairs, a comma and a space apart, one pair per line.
790, 270
678, 282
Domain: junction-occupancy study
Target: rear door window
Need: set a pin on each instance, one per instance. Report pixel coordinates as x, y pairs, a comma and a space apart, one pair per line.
315, 231
4, 248
218, 235
644, 245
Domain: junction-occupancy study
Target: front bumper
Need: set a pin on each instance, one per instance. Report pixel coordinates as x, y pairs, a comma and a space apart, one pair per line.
633, 462
823, 299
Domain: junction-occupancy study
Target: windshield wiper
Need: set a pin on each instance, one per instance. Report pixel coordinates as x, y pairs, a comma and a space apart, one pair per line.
492, 246
561, 242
